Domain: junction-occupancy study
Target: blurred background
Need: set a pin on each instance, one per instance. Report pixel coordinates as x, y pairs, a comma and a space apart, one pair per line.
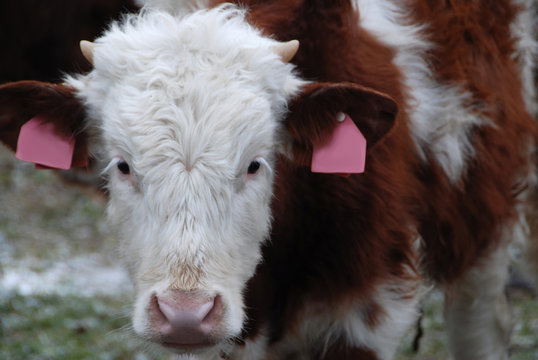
63, 291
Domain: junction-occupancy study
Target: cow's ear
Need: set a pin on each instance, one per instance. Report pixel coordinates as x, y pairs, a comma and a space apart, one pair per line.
313, 115
55, 104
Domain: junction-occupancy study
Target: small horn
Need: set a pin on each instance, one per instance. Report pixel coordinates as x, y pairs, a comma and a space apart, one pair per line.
87, 48
287, 50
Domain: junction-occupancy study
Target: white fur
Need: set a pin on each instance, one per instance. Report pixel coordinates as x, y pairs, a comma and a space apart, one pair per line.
400, 314
441, 115
188, 103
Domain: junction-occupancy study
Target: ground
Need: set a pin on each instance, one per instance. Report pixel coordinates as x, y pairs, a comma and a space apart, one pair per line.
64, 294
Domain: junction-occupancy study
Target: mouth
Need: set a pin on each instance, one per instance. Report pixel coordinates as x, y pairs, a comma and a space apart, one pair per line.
207, 347
189, 347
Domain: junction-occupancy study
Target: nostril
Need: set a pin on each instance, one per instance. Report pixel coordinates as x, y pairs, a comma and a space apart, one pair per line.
156, 315
185, 318
214, 316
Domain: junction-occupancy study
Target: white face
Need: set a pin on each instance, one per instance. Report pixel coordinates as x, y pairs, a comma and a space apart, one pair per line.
188, 112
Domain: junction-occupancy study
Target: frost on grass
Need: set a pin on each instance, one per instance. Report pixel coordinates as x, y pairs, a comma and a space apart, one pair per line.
81, 276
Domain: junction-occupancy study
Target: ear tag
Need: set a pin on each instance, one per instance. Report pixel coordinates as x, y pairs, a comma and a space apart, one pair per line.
343, 152
40, 144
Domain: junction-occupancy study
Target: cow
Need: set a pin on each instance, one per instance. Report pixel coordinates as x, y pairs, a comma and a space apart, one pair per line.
289, 178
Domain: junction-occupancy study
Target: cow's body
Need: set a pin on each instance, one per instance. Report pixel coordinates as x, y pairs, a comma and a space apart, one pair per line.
440, 195
348, 259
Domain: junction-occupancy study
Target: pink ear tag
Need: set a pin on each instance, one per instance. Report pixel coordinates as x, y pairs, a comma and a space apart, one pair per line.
344, 152
40, 144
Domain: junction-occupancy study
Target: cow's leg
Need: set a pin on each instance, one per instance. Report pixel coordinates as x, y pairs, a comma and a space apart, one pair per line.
477, 314
531, 255
530, 243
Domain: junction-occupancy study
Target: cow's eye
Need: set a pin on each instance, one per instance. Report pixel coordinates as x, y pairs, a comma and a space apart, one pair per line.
123, 167
254, 167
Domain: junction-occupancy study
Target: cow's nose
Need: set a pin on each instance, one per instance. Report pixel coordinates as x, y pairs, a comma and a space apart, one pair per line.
186, 319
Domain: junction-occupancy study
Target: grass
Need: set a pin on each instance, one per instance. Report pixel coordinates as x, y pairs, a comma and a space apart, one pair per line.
64, 327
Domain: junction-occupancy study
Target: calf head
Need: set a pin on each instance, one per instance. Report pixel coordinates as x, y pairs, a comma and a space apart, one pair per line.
190, 113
